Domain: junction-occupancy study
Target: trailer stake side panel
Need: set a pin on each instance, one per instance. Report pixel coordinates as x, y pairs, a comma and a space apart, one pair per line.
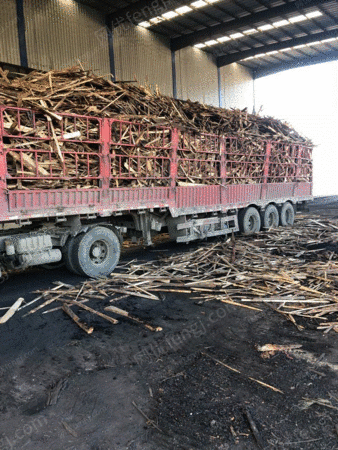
108, 171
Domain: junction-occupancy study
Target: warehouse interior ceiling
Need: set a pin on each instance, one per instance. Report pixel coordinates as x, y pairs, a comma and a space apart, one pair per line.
265, 36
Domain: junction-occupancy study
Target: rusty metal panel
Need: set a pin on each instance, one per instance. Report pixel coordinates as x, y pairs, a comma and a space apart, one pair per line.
9, 39
243, 194
59, 33
138, 198
237, 87
278, 191
143, 56
196, 196
36, 200
196, 74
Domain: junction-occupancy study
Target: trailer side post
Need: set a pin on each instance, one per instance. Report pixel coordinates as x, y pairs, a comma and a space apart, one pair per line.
266, 169
173, 165
3, 165
299, 161
105, 160
223, 171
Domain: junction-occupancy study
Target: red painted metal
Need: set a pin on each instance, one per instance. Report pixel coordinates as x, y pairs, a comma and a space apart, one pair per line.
223, 172
274, 172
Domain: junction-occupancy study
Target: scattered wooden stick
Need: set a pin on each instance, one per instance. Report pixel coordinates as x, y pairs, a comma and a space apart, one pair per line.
76, 319
59, 286
124, 313
254, 428
149, 421
241, 373
93, 311
12, 310
260, 274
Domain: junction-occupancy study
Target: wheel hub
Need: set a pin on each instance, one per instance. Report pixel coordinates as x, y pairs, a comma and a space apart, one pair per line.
98, 252
251, 223
270, 220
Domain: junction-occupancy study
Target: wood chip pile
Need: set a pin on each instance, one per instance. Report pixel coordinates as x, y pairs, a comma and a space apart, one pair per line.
293, 270
137, 150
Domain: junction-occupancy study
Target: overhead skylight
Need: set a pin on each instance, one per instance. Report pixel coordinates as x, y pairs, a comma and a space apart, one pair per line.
170, 15
199, 4
260, 55
313, 14
267, 27
224, 39
281, 23
297, 19
211, 42
183, 9
251, 31
236, 35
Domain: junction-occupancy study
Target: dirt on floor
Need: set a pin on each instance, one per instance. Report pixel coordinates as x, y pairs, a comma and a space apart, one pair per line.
200, 384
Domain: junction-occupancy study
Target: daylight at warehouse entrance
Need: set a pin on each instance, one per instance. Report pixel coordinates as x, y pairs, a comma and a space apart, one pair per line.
307, 98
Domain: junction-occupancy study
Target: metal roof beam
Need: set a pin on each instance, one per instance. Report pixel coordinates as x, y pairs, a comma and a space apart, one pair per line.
213, 31
238, 56
309, 61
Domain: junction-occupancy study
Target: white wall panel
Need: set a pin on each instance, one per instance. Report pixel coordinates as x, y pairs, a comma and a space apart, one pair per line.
197, 76
237, 88
143, 56
9, 40
61, 32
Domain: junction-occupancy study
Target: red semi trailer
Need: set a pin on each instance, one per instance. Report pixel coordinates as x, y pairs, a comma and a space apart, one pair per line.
239, 191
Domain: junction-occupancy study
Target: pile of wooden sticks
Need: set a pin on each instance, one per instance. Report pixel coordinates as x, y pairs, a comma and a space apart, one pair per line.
292, 270
136, 150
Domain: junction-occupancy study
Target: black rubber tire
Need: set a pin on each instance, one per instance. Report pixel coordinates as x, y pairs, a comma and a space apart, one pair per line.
270, 217
249, 221
67, 252
111, 227
287, 215
100, 239
53, 266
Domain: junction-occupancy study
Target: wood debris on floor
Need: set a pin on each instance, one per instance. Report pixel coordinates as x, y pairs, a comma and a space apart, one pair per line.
294, 271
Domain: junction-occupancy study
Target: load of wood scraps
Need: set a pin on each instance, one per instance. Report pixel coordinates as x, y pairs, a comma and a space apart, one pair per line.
293, 270
48, 151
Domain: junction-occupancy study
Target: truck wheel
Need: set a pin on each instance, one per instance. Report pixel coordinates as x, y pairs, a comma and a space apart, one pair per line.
67, 252
249, 221
96, 253
287, 215
270, 217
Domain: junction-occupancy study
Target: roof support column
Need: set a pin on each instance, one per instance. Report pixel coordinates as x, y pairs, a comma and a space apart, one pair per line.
219, 79
21, 33
173, 68
110, 32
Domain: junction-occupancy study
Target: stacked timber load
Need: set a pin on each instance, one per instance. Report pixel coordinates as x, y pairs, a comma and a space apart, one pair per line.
48, 150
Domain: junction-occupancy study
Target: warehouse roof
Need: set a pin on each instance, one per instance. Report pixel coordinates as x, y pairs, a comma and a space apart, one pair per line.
266, 36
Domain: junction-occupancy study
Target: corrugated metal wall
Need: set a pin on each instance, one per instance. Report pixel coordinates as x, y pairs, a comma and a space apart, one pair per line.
143, 56
9, 40
237, 88
196, 76
61, 32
